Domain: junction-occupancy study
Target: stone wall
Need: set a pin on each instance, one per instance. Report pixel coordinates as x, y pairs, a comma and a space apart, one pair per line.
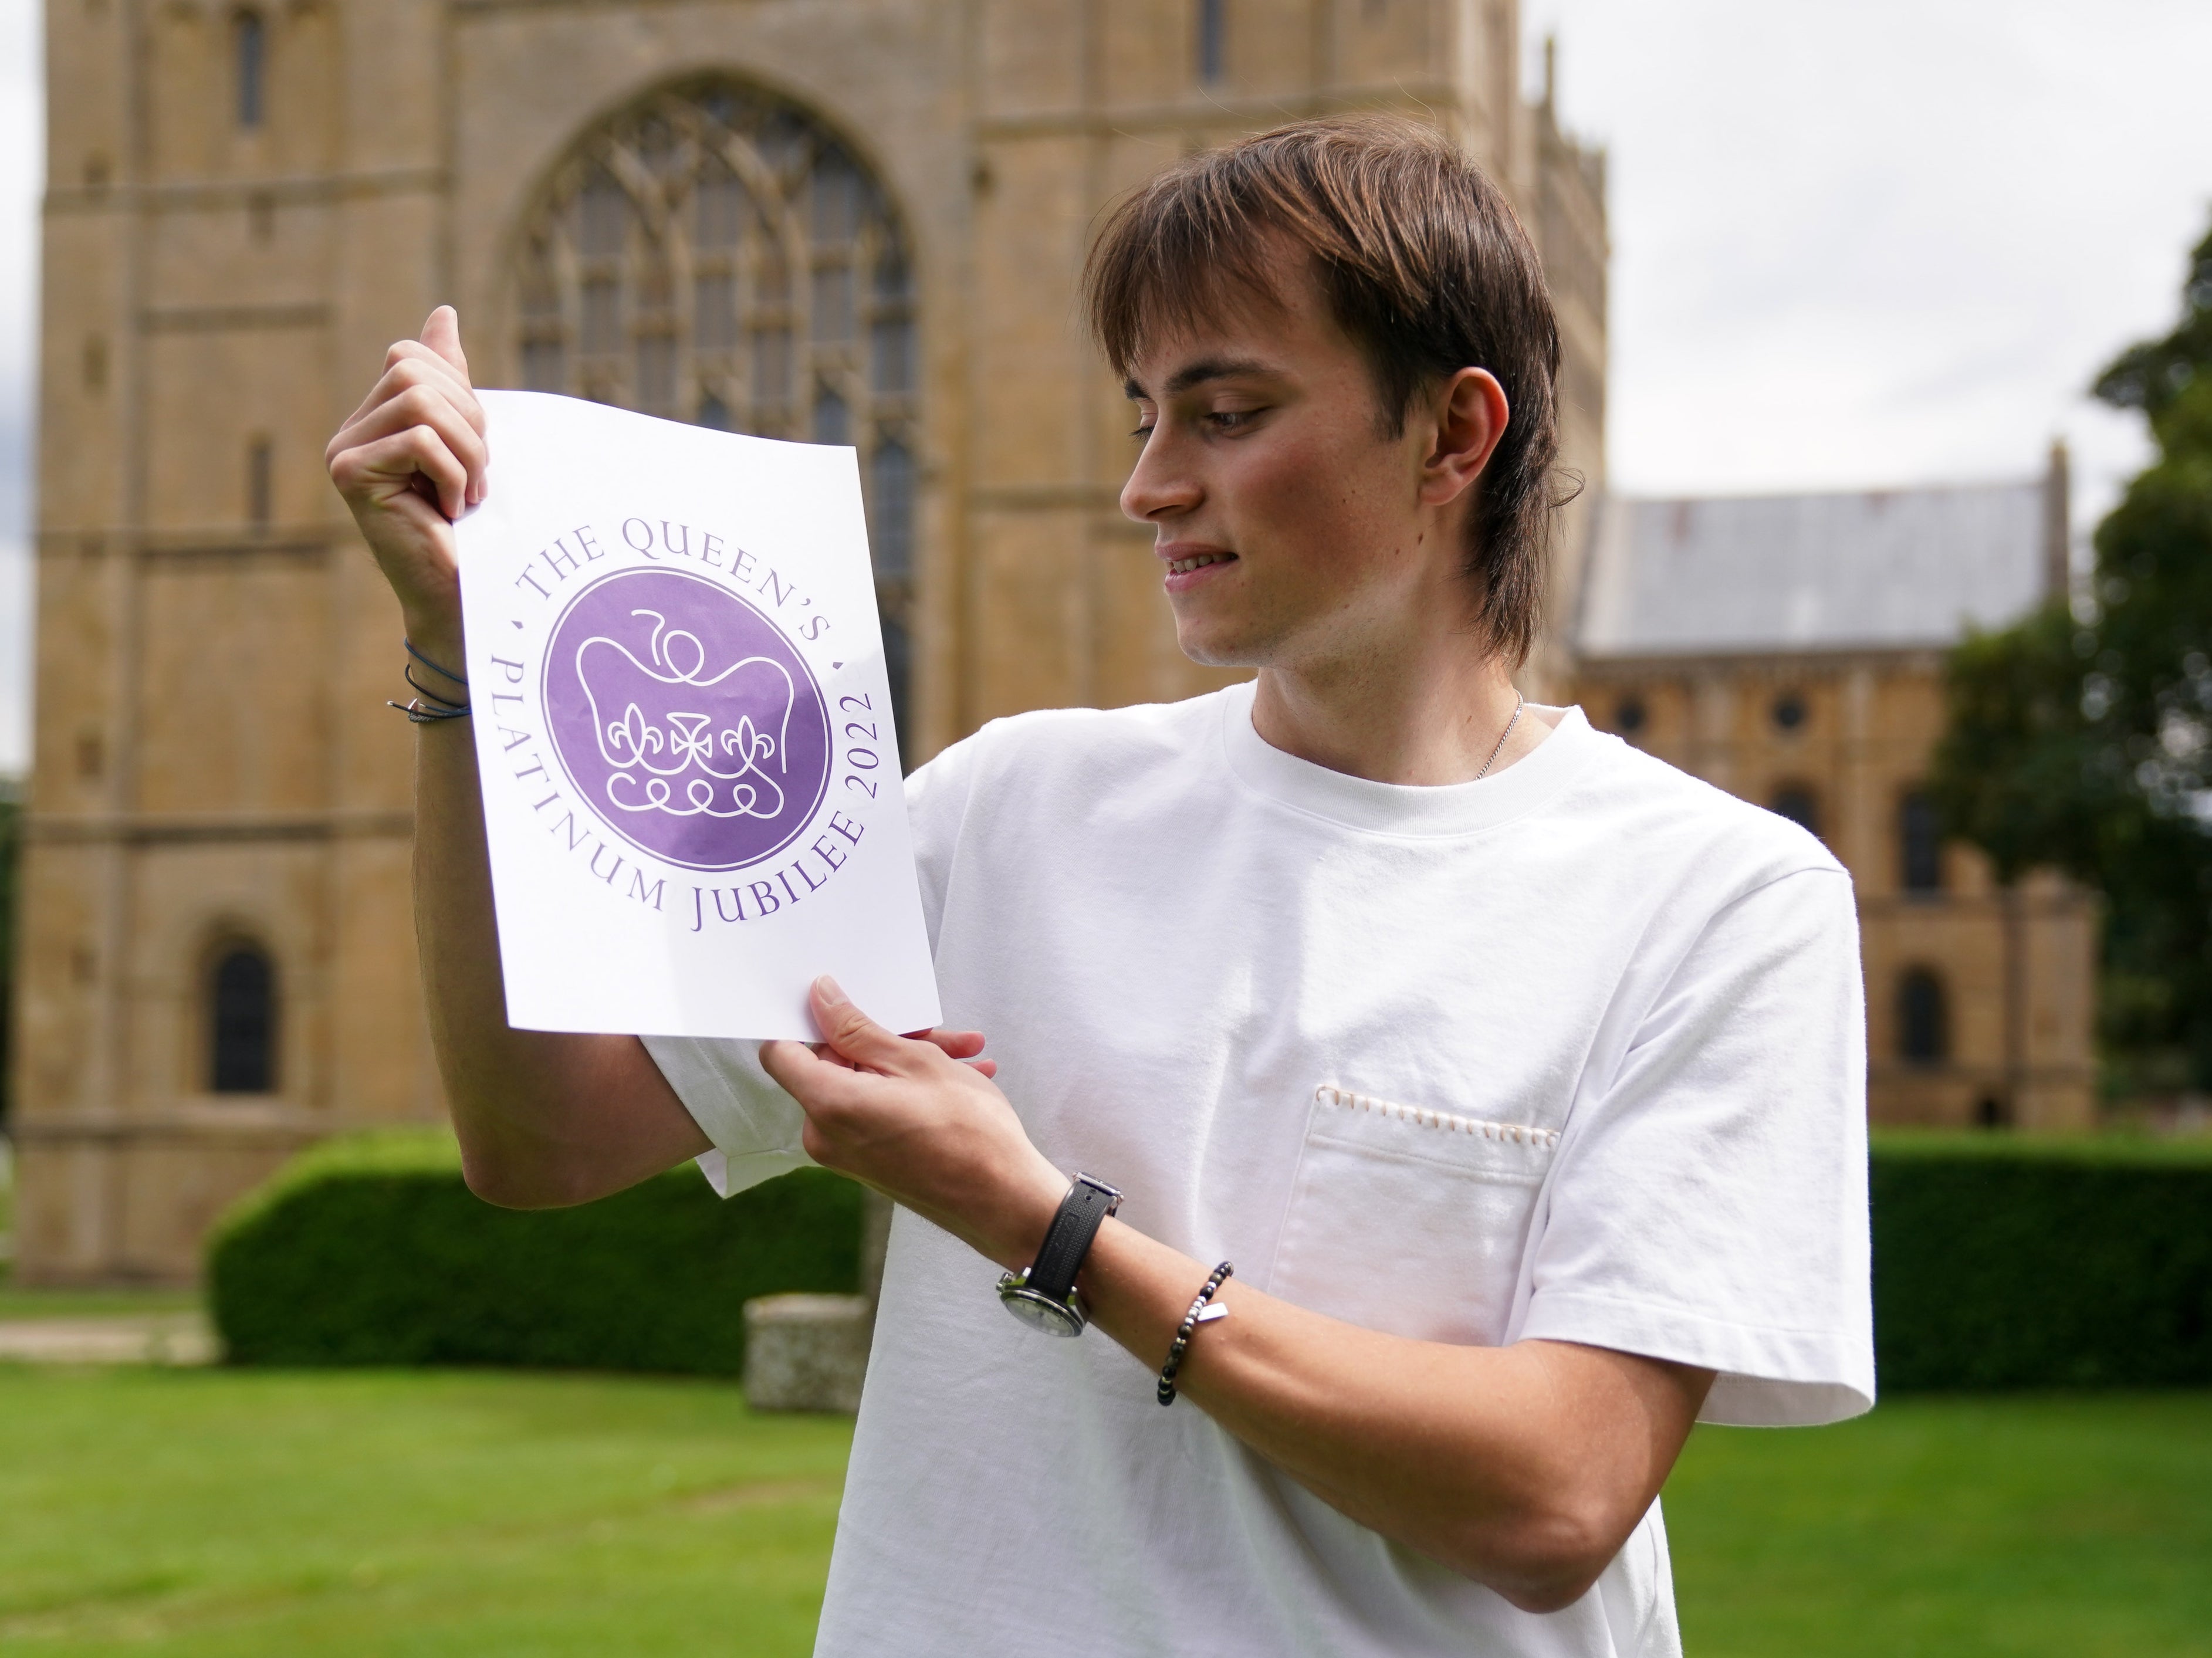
2018, 969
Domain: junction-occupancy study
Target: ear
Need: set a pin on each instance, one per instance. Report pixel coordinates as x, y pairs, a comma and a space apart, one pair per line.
1467, 415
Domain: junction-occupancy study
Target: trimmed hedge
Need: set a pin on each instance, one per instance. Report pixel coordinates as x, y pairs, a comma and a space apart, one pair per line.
1999, 1262
2003, 1263
369, 1249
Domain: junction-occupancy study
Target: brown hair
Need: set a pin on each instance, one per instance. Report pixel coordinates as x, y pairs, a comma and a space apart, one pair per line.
1421, 261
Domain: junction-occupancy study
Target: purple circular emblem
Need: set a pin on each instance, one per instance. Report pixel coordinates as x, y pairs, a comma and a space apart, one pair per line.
685, 720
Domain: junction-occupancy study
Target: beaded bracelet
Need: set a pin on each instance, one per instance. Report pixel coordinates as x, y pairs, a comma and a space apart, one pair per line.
1199, 1313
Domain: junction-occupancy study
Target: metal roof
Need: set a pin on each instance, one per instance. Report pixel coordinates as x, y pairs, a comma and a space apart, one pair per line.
1891, 569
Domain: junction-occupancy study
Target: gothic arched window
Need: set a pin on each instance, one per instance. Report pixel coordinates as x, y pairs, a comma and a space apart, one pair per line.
242, 1020
717, 254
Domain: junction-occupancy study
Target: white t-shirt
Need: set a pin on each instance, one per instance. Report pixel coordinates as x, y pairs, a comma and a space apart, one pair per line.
1573, 1052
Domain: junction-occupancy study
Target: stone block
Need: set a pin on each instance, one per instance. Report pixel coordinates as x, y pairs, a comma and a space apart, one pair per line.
806, 1352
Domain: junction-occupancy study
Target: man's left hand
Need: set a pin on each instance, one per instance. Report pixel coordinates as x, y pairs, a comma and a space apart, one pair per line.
920, 1120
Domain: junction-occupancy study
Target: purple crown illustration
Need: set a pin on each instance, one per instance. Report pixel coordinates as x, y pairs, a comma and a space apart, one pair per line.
715, 732
686, 719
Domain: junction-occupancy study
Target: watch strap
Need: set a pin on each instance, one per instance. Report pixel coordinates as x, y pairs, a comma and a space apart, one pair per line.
1068, 1240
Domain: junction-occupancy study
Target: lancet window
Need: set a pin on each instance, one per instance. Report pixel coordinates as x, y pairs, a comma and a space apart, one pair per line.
1920, 843
242, 1021
1212, 38
1923, 1021
250, 48
716, 254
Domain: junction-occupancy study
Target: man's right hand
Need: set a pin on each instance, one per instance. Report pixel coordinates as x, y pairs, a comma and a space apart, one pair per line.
409, 461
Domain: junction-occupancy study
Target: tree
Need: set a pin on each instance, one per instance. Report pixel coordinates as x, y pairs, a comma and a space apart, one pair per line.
2085, 741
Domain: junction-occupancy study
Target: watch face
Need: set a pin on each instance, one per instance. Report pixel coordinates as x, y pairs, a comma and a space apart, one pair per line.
1040, 1312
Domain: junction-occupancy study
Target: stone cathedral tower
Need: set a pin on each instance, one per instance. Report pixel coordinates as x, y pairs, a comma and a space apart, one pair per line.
851, 220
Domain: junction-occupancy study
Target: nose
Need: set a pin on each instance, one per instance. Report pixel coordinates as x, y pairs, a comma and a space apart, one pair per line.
1161, 485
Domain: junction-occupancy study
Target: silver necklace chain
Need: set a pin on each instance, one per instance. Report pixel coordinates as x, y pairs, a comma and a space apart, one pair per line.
1519, 702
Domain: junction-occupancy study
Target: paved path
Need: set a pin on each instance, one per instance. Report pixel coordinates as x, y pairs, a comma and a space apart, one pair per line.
132, 1338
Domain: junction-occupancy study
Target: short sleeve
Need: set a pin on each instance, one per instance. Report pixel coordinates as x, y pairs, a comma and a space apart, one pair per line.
754, 1124
1709, 1207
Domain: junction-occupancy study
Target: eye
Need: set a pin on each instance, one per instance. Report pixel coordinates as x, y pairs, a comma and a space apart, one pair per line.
1142, 433
1230, 419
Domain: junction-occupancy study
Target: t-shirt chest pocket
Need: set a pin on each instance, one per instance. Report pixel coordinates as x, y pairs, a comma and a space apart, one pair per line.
1408, 1220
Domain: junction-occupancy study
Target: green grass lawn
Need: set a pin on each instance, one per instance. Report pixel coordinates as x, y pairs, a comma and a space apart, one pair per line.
2060, 1525
267, 1514
423, 1514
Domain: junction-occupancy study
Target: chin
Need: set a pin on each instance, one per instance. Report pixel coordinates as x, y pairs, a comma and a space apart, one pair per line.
1221, 647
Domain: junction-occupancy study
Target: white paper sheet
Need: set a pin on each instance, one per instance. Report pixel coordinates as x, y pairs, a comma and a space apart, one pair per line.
690, 777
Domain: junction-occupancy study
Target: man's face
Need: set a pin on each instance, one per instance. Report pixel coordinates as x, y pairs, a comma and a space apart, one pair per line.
1291, 529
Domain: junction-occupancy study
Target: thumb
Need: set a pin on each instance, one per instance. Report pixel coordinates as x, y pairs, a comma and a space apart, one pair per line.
442, 334
853, 1033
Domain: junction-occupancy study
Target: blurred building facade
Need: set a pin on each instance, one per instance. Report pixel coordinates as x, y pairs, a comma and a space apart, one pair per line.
1789, 649
850, 221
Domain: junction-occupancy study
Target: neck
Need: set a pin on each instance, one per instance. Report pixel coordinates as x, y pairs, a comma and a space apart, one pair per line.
1425, 712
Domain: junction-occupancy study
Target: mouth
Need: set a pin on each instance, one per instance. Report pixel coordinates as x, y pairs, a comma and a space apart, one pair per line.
1192, 562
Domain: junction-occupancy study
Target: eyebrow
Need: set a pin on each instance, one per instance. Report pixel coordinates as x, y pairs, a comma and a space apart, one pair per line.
1199, 373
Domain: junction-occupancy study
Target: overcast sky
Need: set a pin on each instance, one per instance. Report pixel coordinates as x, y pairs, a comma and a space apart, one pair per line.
1881, 242
23, 168
1889, 241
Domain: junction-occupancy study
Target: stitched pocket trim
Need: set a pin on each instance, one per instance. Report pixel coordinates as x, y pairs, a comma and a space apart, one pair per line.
1512, 1133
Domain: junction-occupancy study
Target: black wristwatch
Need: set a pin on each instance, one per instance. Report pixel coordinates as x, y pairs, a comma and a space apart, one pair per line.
1043, 1297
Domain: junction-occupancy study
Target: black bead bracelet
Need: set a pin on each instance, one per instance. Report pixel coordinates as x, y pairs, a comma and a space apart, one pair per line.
1190, 1322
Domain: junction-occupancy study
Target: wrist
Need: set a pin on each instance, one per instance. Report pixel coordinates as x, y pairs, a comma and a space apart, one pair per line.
435, 632
1043, 1295
1026, 1216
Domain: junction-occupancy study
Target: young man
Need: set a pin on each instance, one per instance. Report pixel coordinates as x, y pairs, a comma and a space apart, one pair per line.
1519, 1076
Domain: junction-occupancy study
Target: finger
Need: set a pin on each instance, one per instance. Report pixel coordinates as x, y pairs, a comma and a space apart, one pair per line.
425, 525
856, 1035
413, 401
410, 363
776, 1059
447, 477
371, 473
423, 405
818, 1084
374, 473
411, 366
790, 1067
988, 1068
959, 1044
422, 361
442, 334
827, 1055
